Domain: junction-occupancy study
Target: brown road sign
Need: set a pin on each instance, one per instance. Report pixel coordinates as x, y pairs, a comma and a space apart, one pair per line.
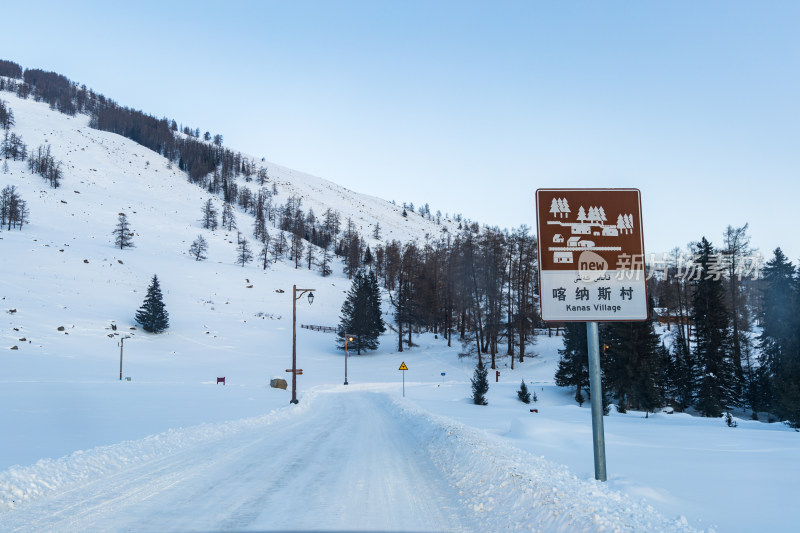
591, 254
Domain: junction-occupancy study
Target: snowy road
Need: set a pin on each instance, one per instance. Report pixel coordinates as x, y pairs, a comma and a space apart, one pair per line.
345, 464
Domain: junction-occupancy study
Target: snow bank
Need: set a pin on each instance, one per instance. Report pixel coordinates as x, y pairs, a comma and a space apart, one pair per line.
19, 485
512, 490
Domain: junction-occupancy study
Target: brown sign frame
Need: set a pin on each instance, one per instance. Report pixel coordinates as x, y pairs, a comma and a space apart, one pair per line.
591, 239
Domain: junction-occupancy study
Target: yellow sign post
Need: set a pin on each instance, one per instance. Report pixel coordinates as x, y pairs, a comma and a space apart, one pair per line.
403, 367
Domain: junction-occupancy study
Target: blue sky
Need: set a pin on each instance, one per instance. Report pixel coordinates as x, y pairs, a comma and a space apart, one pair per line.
470, 106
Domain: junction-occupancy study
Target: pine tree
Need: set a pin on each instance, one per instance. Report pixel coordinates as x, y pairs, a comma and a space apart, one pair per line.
573, 367
480, 384
632, 368
712, 347
122, 233
681, 373
361, 315
779, 381
153, 316
523, 394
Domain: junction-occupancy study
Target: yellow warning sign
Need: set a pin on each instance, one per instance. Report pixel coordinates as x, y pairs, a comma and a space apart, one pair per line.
403, 366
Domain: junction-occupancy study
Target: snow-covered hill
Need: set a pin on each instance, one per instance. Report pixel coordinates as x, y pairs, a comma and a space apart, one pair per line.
74, 433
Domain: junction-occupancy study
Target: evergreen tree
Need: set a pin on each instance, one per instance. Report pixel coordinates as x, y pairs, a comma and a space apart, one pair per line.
779, 381
480, 384
712, 347
361, 315
573, 367
681, 373
523, 394
123, 236
153, 316
632, 368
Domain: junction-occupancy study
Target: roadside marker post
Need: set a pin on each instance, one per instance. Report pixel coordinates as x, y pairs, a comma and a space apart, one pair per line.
591, 269
403, 367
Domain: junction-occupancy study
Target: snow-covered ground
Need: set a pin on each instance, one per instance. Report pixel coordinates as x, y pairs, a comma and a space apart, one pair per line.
171, 449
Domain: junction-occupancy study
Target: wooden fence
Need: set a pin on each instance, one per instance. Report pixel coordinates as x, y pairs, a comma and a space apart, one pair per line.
324, 329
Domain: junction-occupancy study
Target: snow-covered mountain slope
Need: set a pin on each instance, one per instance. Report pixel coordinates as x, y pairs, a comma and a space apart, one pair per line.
86, 152
62, 269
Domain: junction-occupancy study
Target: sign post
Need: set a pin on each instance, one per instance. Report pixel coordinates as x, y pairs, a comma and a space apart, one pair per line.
591, 269
596, 390
403, 367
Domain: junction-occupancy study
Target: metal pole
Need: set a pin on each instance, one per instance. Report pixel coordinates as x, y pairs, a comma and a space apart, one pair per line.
345, 359
294, 344
404, 384
121, 341
596, 390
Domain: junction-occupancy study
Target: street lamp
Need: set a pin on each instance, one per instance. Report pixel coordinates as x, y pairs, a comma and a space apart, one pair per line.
347, 337
294, 369
121, 343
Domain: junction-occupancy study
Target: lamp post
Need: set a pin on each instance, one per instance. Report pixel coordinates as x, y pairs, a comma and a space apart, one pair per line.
347, 337
121, 343
294, 369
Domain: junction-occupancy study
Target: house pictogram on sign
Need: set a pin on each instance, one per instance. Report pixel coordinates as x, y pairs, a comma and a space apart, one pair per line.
588, 223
